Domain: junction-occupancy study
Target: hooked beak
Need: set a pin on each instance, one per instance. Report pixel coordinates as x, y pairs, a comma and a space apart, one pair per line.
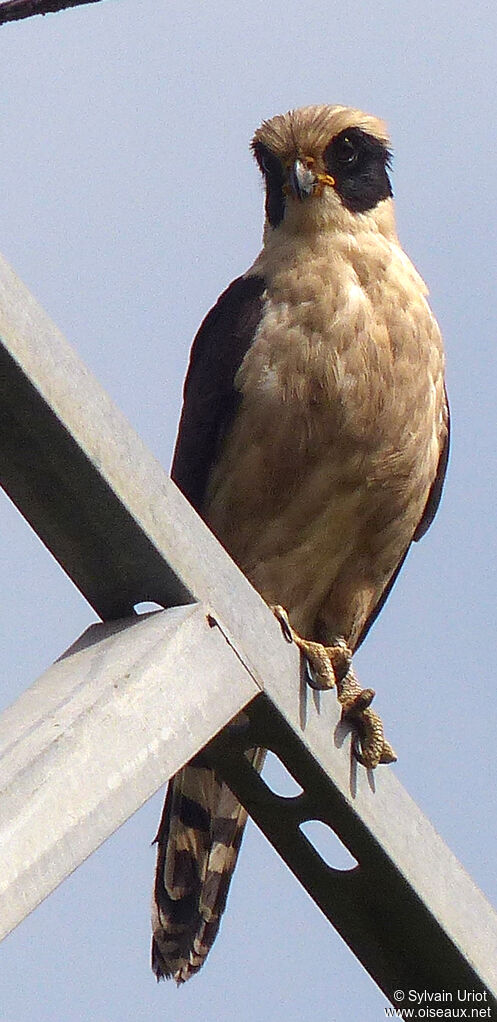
302, 180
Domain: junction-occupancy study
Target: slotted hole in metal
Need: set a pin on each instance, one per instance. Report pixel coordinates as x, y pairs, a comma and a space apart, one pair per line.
147, 607
278, 778
328, 845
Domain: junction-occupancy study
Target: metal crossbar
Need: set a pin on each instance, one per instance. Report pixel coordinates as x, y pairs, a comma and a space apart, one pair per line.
94, 737
137, 698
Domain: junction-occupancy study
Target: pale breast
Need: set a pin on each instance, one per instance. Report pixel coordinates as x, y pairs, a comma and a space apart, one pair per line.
336, 443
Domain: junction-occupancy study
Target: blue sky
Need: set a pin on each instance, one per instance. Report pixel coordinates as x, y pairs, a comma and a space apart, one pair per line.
129, 200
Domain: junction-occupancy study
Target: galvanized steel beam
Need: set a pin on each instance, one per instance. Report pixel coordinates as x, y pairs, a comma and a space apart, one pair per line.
82, 749
125, 534
408, 910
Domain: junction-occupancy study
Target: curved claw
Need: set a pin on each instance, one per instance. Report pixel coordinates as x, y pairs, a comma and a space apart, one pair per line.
371, 755
320, 675
282, 616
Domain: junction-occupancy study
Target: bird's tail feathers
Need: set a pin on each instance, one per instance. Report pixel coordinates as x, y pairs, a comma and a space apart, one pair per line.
198, 841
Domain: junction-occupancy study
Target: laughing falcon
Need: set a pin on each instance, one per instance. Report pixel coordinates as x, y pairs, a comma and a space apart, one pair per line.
313, 441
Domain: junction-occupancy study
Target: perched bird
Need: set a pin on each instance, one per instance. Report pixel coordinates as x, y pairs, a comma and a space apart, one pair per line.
313, 441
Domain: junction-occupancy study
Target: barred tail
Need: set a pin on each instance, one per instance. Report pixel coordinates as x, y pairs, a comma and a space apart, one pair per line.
198, 841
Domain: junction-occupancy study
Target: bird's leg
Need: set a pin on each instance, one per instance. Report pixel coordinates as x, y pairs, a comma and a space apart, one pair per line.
330, 665
369, 743
327, 665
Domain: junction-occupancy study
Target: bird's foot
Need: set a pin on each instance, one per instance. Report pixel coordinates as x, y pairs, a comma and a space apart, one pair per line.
369, 743
330, 665
326, 665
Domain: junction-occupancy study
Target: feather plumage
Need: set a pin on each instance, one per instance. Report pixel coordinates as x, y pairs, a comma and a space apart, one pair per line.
199, 839
313, 441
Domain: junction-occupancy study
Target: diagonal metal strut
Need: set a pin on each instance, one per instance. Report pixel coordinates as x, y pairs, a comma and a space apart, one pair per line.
123, 532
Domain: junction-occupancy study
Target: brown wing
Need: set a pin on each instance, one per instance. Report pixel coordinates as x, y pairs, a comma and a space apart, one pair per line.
210, 398
431, 508
202, 823
435, 493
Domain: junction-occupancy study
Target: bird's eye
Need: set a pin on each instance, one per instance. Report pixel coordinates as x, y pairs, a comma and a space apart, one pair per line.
345, 150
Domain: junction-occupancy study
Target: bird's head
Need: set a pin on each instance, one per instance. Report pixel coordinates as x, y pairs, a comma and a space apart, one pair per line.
325, 166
